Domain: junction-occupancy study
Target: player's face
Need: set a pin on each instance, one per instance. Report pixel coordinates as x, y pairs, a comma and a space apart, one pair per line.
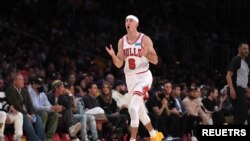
130, 23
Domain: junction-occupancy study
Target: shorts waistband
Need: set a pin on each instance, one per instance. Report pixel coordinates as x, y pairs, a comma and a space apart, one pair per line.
142, 72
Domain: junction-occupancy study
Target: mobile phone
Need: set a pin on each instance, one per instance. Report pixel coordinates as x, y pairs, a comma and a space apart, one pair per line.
34, 118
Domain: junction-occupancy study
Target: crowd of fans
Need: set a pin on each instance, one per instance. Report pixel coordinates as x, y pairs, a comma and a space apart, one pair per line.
64, 40
189, 37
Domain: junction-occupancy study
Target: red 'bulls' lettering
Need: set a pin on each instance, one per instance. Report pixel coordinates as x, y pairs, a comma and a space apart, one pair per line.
132, 52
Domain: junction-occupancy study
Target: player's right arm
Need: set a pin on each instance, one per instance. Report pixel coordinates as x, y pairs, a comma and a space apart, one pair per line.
119, 58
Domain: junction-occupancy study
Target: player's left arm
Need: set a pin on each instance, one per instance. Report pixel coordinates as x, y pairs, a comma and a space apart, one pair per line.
150, 54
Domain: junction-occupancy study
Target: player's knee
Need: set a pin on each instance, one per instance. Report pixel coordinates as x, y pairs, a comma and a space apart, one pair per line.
134, 123
144, 119
132, 110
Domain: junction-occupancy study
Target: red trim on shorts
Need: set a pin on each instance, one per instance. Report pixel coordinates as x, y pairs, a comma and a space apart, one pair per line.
138, 93
145, 89
144, 95
142, 72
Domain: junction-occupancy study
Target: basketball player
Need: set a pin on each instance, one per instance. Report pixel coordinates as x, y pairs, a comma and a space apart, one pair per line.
136, 49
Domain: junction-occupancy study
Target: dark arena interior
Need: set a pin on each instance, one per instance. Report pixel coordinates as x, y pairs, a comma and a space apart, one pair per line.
49, 43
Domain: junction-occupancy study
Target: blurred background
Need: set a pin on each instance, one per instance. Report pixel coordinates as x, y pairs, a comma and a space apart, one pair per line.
195, 40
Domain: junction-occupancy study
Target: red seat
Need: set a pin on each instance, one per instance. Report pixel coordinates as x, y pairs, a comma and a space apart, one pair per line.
6, 138
57, 137
9, 137
65, 137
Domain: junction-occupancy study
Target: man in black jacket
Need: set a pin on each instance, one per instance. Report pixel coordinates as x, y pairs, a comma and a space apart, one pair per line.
19, 97
59, 97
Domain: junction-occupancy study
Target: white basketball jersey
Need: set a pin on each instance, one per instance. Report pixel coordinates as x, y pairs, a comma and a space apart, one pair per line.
134, 61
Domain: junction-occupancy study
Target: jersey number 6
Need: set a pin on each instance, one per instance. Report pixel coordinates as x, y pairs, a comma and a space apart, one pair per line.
131, 63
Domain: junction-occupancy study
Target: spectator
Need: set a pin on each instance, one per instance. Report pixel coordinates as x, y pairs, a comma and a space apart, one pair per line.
211, 104
19, 97
2, 85
80, 85
87, 120
9, 115
58, 97
121, 96
92, 106
194, 110
71, 78
177, 112
159, 111
110, 78
225, 103
118, 121
43, 107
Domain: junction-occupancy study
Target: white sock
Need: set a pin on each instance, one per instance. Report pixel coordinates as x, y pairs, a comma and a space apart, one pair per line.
152, 133
131, 139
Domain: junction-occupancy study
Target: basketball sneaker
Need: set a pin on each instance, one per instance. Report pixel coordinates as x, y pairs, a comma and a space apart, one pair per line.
158, 137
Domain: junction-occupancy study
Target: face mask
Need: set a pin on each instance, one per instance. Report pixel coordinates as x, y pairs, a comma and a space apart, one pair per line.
40, 89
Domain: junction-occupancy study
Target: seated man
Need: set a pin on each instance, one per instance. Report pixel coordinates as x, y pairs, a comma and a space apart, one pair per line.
158, 110
58, 97
92, 106
194, 110
8, 114
43, 107
122, 97
210, 103
19, 97
88, 121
